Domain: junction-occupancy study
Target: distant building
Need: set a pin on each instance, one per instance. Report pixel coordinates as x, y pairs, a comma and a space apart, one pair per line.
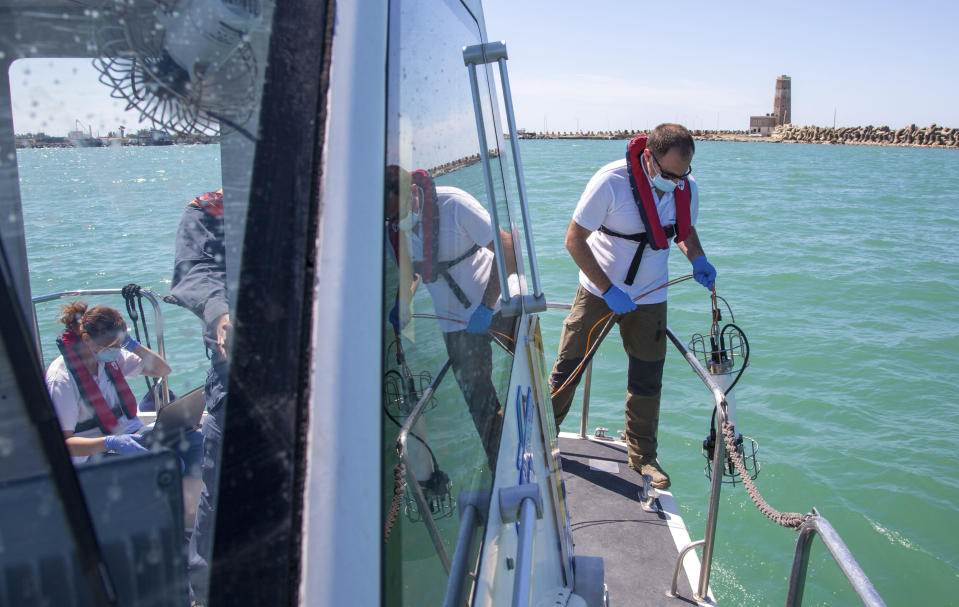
153, 137
762, 126
782, 101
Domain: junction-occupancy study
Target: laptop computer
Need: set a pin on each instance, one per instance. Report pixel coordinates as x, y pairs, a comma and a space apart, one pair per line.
178, 418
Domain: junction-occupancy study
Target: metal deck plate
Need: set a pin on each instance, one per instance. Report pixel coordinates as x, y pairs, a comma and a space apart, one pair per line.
607, 520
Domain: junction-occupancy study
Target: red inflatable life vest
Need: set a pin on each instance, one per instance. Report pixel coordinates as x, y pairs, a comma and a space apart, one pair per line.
657, 236
432, 267
106, 418
430, 222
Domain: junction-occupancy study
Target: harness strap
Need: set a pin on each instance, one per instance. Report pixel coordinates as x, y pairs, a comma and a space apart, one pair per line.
442, 269
93, 422
643, 239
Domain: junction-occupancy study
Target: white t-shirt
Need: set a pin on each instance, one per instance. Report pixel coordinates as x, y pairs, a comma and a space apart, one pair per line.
463, 223
71, 408
608, 201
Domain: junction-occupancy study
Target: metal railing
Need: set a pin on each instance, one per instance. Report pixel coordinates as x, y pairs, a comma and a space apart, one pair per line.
474, 508
817, 525
716, 483
157, 326
814, 525
481, 55
402, 442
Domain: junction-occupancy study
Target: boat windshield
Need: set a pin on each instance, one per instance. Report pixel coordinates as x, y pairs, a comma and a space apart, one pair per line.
447, 348
135, 127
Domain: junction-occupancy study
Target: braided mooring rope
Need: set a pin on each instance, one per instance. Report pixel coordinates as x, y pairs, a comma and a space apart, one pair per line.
786, 519
399, 485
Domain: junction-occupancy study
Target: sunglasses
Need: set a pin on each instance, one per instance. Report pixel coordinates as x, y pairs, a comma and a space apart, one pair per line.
667, 174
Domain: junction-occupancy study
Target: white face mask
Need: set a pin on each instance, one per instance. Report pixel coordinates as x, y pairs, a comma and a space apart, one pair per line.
108, 356
662, 184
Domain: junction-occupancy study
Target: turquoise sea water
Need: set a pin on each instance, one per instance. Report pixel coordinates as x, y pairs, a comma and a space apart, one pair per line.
838, 262
100, 218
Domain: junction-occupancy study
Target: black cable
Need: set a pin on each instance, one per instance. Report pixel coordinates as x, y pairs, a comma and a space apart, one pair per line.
745, 356
130, 292
728, 308
146, 330
236, 127
712, 421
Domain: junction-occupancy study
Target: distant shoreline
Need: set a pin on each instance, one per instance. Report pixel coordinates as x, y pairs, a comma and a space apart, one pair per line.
932, 136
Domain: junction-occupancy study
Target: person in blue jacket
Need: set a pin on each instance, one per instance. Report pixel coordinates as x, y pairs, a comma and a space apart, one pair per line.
199, 284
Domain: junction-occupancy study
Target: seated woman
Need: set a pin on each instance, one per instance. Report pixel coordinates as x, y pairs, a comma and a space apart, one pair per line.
94, 403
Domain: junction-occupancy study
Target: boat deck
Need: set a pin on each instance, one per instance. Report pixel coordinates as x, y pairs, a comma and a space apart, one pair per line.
639, 548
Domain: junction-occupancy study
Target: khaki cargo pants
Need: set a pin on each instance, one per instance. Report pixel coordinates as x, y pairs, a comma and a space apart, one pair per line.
643, 332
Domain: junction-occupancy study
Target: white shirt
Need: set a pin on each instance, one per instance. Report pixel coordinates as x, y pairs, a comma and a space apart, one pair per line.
608, 201
463, 223
71, 408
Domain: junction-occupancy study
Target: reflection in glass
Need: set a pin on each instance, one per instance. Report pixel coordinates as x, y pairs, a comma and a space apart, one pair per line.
441, 299
109, 199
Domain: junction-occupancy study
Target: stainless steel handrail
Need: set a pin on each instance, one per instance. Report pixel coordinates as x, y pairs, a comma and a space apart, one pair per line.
402, 440
719, 457
587, 382
522, 579
464, 545
473, 56
537, 301
157, 325
587, 378
674, 586
840, 553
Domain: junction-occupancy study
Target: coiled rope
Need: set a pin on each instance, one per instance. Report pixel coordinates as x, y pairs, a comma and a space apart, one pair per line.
785, 519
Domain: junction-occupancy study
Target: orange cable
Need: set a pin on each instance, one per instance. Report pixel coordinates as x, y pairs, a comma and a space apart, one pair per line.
587, 355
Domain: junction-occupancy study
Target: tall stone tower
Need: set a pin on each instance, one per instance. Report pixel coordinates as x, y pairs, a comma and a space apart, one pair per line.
782, 105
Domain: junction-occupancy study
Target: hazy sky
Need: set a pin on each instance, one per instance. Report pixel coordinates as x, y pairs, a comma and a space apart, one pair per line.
57, 95
608, 64
611, 64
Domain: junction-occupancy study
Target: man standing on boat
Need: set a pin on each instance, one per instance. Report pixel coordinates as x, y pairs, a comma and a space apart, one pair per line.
619, 237
199, 284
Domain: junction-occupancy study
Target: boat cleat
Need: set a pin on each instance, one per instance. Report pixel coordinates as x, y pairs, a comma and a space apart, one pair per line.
647, 495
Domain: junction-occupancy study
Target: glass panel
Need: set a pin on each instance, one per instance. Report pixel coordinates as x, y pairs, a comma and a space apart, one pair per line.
503, 164
129, 184
440, 269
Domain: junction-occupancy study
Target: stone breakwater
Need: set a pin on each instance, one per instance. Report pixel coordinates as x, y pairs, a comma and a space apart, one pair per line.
931, 136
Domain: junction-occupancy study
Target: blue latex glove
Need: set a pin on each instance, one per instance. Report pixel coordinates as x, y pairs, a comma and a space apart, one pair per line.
129, 344
618, 301
395, 317
479, 321
124, 444
704, 272
400, 315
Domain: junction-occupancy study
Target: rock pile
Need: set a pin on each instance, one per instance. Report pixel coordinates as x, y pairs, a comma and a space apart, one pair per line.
932, 135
